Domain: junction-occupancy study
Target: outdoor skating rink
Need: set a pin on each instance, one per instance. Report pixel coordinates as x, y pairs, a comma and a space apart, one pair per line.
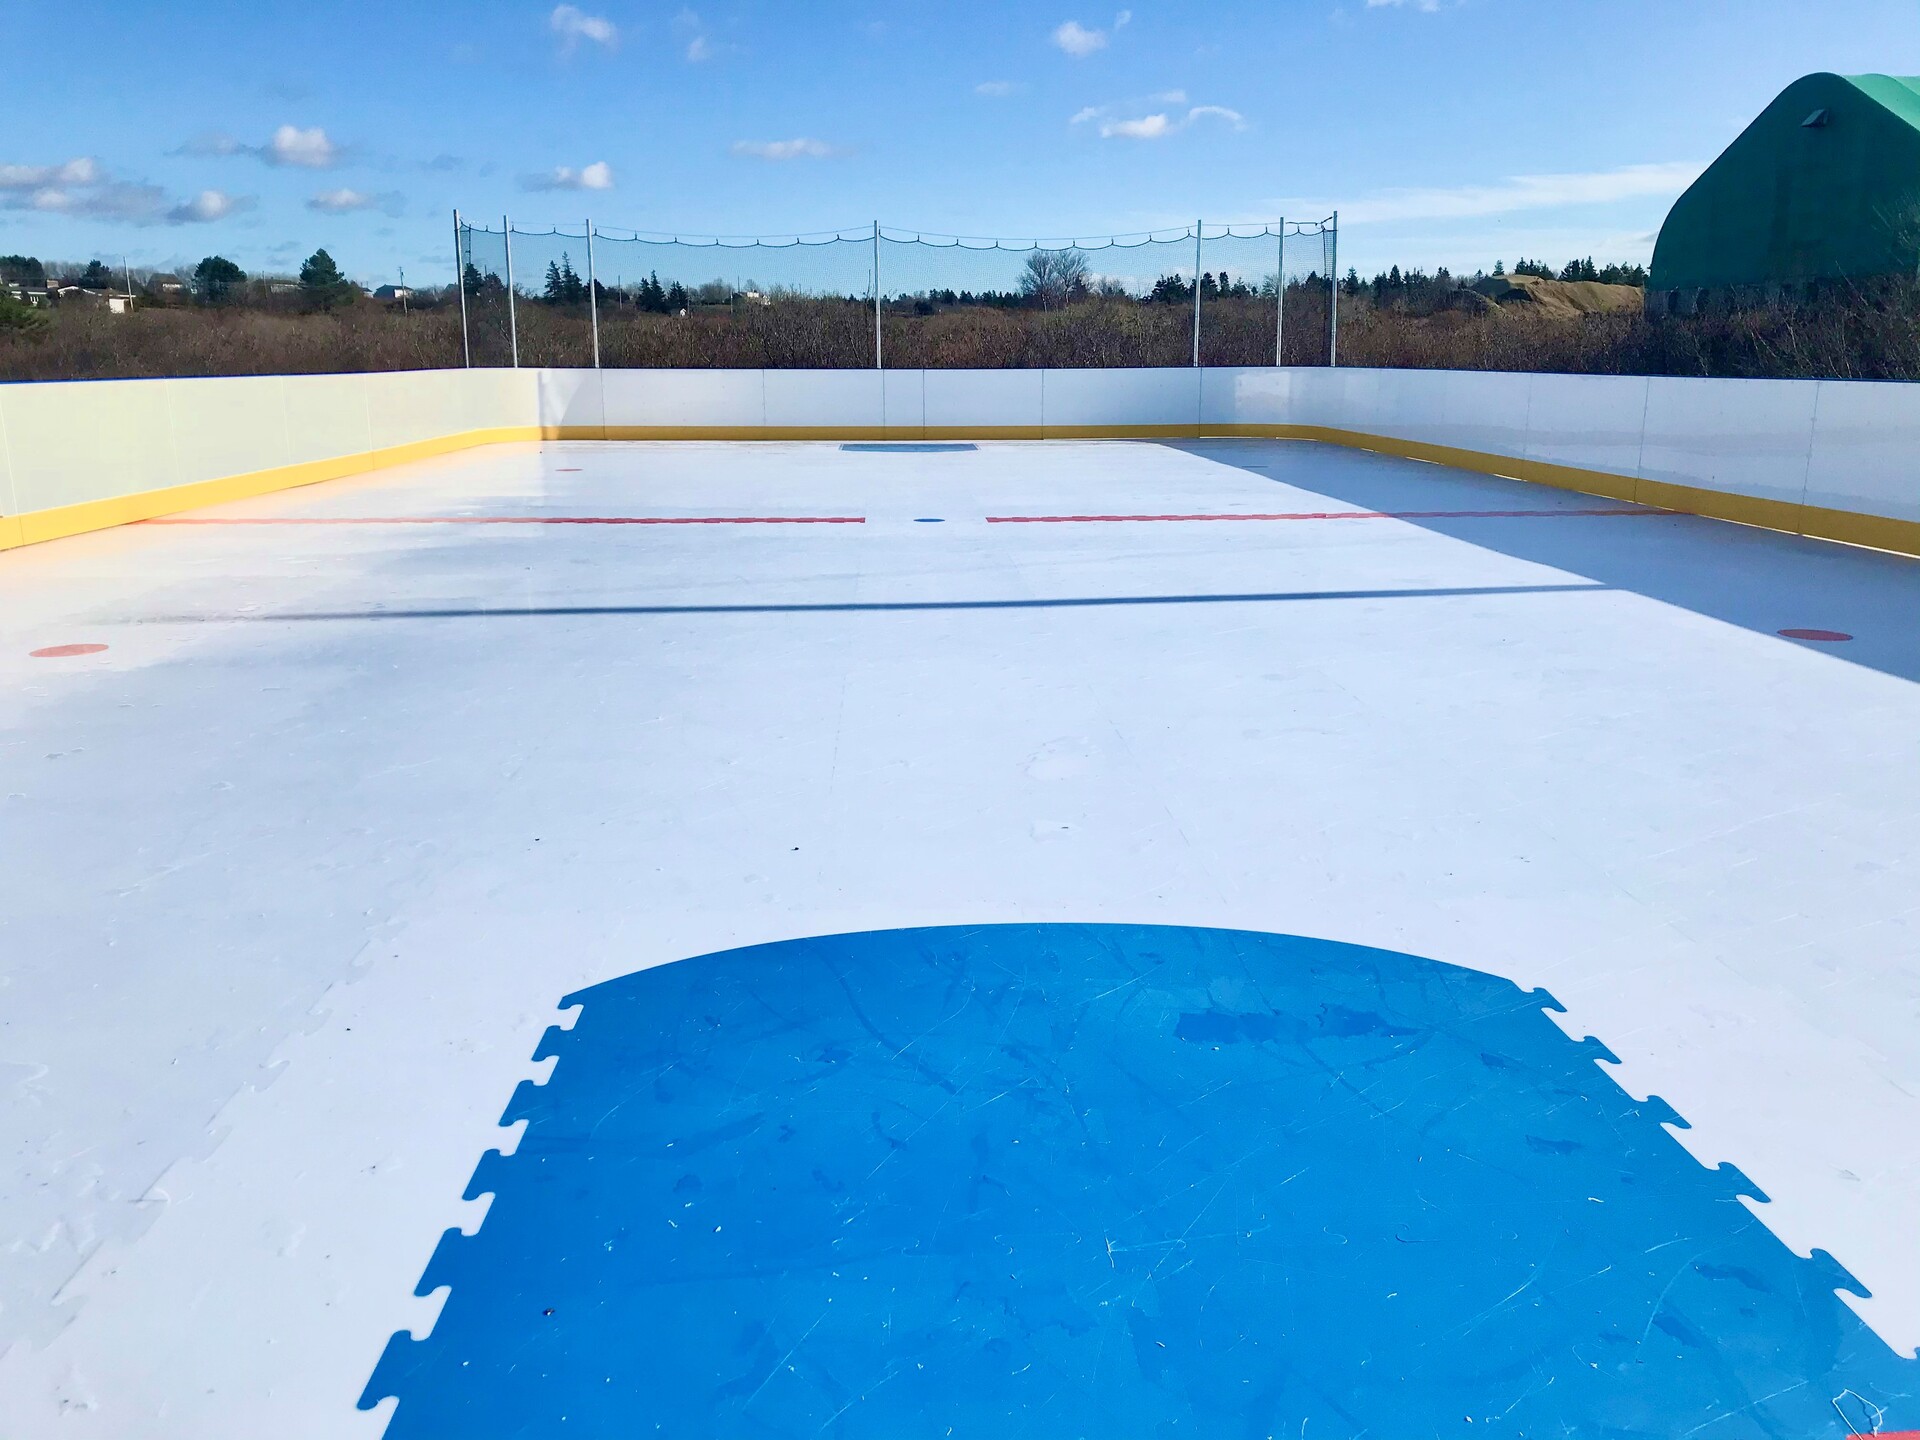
371, 777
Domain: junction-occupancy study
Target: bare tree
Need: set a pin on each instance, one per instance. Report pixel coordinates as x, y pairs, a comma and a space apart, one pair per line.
1054, 279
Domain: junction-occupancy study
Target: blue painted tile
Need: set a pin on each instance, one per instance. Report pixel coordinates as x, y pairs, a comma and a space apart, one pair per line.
1110, 1181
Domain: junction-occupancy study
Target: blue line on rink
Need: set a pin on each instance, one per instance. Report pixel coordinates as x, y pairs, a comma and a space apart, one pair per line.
1110, 1181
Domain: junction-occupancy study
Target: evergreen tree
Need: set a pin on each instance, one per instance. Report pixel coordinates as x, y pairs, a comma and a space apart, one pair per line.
471, 280
18, 318
322, 282
1499, 267
23, 270
216, 278
676, 298
96, 277
1170, 290
563, 285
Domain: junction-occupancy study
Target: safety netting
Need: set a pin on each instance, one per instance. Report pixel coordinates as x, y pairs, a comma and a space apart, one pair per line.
874, 295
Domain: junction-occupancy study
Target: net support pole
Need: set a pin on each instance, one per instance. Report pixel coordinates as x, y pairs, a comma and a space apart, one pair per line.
513, 318
1280, 298
460, 283
1333, 294
593, 297
879, 359
1196, 293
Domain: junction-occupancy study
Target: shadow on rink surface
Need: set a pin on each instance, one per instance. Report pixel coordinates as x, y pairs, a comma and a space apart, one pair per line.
1758, 579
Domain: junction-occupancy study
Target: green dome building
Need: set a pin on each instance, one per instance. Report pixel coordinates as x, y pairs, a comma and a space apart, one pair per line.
1824, 186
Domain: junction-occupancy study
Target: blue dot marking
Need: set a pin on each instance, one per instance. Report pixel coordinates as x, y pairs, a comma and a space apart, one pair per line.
930, 520
1134, 1182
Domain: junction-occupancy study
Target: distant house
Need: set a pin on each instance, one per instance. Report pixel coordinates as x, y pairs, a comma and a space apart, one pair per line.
166, 284
27, 294
393, 294
116, 304
284, 287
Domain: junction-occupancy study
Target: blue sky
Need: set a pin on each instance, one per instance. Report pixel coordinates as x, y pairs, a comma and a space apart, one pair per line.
1447, 131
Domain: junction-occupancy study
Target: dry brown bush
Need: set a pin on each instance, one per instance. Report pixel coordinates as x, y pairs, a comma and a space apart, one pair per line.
1859, 336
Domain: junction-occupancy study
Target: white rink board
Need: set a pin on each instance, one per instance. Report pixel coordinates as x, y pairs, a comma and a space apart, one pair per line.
1839, 445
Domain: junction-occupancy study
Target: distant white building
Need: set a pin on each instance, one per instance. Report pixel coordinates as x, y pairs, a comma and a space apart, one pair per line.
393, 294
113, 302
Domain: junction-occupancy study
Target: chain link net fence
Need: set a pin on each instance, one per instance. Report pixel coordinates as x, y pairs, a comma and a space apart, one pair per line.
1258, 294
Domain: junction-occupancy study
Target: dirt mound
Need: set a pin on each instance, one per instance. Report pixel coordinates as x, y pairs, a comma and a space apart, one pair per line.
1560, 299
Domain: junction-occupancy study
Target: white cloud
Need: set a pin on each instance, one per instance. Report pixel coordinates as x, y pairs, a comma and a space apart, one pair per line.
1080, 41
1077, 40
1147, 127
574, 25
81, 170
345, 202
81, 189
1524, 192
998, 87
1426, 6
205, 208
597, 176
1156, 125
700, 46
1218, 112
798, 149
340, 202
310, 149
215, 142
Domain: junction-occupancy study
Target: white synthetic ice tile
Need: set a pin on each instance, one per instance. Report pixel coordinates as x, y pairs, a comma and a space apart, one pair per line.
374, 853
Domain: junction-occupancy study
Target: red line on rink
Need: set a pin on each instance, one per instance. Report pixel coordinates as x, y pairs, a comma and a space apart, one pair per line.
516, 520
1323, 515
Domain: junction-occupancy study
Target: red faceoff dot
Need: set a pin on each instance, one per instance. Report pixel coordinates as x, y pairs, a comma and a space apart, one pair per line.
1831, 636
60, 652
